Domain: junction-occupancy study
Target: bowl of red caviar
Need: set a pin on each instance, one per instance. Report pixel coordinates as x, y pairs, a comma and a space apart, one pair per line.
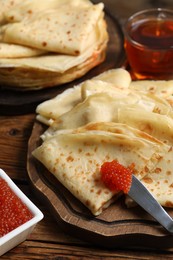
18, 215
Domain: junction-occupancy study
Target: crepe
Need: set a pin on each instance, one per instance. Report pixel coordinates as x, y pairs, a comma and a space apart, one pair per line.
162, 88
48, 70
6, 5
157, 125
114, 87
119, 77
75, 158
51, 109
99, 107
113, 81
106, 108
160, 180
29, 8
72, 32
70, 43
18, 51
159, 88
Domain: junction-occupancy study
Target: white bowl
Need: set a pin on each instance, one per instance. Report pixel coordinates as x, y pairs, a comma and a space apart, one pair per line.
18, 235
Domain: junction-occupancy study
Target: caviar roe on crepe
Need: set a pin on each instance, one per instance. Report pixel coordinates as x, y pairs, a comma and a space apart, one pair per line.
116, 176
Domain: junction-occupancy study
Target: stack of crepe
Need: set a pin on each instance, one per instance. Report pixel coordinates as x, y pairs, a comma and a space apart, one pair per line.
50, 42
109, 117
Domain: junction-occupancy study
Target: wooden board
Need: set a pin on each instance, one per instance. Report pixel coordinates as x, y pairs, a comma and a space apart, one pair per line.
22, 102
116, 227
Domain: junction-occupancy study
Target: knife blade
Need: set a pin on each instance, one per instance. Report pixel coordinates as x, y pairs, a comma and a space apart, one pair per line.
140, 194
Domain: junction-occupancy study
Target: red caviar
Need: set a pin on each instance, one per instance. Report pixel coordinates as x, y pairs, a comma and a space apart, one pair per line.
116, 176
13, 212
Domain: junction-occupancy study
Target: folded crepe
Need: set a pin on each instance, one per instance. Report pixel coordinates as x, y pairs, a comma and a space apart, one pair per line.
119, 77
159, 180
71, 34
157, 125
104, 107
75, 158
18, 51
64, 30
48, 70
114, 82
159, 88
28, 8
99, 107
109, 113
162, 88
99, 99
6, 5
51, 109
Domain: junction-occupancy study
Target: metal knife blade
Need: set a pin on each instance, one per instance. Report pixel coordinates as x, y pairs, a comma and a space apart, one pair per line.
140, 194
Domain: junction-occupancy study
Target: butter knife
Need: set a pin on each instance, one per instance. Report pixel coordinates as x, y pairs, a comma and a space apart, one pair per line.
140, 194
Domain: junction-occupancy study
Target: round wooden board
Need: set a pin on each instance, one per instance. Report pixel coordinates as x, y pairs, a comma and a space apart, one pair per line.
116, 227
22, 102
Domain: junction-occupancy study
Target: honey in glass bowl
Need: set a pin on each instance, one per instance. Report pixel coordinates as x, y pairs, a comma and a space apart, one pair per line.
149, 44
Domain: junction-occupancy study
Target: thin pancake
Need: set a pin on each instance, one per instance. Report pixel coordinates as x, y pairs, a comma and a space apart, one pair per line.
72, 32
159, 181
157, 125
18, 51
6, 5
75, 158
48, 70
29, 8
114, 82
162, 88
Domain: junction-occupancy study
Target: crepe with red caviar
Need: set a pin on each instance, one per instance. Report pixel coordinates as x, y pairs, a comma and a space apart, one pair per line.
75, 158
114, 105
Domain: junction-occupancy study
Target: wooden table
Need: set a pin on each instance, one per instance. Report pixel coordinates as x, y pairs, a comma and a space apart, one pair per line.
48, 240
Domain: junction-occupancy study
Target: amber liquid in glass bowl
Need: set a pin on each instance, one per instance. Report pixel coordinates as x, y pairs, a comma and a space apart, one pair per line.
150, 49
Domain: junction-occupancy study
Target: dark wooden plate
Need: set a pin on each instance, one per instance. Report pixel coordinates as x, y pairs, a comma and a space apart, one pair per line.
22, 102
116, 227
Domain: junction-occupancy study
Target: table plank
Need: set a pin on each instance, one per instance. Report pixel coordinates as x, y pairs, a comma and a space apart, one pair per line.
38, 250
14, 134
